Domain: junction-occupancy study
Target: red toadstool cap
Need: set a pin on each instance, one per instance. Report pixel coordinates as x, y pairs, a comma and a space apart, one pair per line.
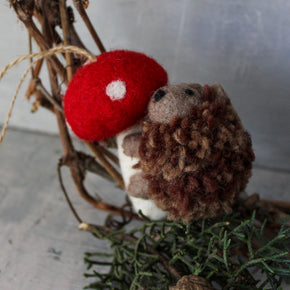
107, 96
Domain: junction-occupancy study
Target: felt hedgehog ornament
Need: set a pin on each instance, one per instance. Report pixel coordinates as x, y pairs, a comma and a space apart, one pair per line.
109, 98
194, 153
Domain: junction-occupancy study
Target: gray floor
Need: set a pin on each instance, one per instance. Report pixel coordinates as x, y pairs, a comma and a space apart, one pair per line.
41, 247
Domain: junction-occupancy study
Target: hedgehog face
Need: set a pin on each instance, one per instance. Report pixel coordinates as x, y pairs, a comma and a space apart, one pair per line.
174, 100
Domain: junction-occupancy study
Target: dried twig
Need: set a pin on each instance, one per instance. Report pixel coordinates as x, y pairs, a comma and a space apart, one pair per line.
66, 194
32, 84
89, 163
110, 155
278, 203
24, 11
79, 6
110, 169
39, 86
95, 149
45, 40
66, 38
98, 204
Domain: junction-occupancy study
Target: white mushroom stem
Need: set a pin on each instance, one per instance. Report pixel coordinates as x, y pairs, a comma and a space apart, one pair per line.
147, 206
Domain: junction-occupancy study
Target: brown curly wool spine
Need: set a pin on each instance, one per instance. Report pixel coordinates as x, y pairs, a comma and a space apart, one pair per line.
197, 165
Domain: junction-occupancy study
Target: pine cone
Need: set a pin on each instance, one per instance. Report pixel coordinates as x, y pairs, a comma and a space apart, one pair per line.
192, 282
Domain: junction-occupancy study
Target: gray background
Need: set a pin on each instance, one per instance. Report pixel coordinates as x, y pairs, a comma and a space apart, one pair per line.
243, 44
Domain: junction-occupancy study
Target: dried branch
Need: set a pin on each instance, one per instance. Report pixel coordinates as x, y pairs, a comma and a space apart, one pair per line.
45, 40
70, 155
39, 86
95, 148
24, 12
32, 84
278, 203
98, 204
66, 37
88, 163
80, 8
66, 194
55, 20
110, 155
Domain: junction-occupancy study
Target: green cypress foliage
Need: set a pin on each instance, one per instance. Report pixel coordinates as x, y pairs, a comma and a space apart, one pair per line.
231, 253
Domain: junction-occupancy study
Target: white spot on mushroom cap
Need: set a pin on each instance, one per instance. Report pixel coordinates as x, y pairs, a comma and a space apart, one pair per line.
116, 90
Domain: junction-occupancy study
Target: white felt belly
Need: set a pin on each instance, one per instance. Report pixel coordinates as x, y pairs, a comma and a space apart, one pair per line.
148, 207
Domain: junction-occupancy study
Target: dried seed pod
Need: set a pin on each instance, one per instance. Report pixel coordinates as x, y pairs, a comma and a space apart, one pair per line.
192, 282
85, 3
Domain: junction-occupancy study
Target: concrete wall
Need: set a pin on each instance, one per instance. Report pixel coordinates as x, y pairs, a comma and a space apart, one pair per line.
244, 45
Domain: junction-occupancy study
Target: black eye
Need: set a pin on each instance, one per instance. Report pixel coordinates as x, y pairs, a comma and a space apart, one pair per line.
189, 92
159, 95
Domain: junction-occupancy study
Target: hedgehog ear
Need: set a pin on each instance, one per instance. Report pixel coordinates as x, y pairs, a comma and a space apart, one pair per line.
220, 94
